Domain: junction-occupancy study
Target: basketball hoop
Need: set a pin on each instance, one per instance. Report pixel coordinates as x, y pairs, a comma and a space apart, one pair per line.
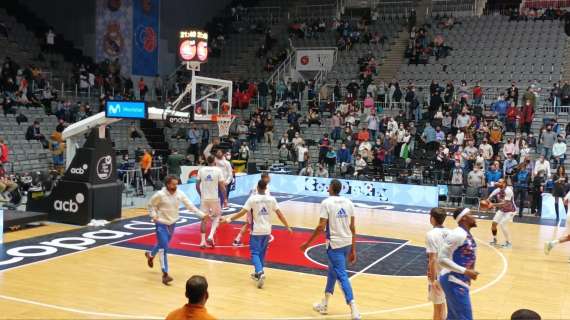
224, 123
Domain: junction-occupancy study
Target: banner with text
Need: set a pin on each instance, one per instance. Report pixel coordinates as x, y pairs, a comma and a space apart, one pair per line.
314, 59
146, 15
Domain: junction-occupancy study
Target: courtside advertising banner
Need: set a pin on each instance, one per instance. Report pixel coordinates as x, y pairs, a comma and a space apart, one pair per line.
314, 60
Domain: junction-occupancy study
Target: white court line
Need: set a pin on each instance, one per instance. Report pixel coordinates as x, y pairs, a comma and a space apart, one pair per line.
379, 260
125, 316
352, 271
79, 311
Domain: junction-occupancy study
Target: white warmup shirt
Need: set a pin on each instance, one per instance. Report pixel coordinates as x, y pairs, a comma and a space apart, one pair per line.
164, 206
227, 170
434, 240
338, 211
209, 178
261, 206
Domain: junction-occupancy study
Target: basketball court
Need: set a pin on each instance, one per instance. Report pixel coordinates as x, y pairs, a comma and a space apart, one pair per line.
59, 271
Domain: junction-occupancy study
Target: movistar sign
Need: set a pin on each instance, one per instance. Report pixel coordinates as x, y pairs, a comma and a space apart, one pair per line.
126, 109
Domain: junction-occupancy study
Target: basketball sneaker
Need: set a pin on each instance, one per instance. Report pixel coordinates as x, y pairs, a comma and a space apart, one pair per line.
548, 245
493, 242
320, 307
166, 279
203, 245
507, 245
259, 278
210, 243
149, 259
236, 243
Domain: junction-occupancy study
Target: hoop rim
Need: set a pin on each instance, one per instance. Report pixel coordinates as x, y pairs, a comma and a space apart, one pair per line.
218, 117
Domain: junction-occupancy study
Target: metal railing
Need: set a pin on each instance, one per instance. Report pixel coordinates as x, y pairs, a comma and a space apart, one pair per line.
282, 69
527, 4
265, 12
318, 11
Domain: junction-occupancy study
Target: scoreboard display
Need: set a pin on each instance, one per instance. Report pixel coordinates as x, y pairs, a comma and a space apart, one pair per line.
193, 46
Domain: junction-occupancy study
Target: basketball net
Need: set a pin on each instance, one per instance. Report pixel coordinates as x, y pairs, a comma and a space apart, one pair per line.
224, 122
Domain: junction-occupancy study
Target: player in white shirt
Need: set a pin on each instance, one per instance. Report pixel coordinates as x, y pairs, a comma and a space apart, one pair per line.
226, 166
337, 221
548, 245
237, 241
164, 209
210, 185
261, 206
434, 241
505, 213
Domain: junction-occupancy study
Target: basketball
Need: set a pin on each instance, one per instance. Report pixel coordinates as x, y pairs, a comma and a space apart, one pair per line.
485, 204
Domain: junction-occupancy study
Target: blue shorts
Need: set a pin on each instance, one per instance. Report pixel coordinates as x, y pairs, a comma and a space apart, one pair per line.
457, 298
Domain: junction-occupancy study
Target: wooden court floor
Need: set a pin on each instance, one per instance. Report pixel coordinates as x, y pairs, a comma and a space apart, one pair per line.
111, 282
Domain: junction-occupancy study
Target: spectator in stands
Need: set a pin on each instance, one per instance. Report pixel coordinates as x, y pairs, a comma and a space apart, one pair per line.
526, 116
559, 190
6, 184
307, 171
500, 108
174, 161
3, 151
57, 148
477, 94
134, 132
302, 155
359, 166
244, 152
324, 144
541, 165
143, 89
34, 133
559, 151
321, 172
565, 99
555, 98
493, 175
205, 136
268, 126
61, 125
538, 182
211, 147
197, 295
476, 178
509, 166
521, 182
547, 141
284, 154
50, 41
511, 118
513, 93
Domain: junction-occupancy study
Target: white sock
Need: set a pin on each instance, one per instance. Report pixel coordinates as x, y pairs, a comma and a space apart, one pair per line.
328, 295
505, 231
215, 223
238, 237
353, 307
203, 237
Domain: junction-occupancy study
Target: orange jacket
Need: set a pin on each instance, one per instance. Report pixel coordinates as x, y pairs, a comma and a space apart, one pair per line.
146, 161
190, 311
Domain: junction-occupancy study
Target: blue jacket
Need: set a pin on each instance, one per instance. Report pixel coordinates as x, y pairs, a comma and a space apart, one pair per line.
500, 107
343, 155
493, 176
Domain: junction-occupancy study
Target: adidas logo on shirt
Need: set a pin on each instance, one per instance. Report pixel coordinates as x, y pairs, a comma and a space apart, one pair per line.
341, 213
263, 211
209, 177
